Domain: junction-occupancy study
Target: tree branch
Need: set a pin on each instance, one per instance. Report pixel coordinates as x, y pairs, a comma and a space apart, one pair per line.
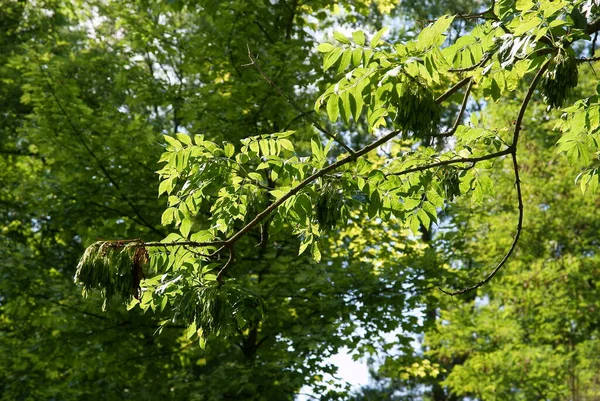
221, 273
588, 59
12, 152
515, 240
460, 113
593, 27
452, 90
513, 152
488, 14
230, 242
481, 62
442, 163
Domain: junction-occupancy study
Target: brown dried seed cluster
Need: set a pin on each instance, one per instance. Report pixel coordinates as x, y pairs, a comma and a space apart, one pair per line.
114, 268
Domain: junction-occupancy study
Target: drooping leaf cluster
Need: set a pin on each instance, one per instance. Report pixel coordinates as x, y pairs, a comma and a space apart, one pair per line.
114, 268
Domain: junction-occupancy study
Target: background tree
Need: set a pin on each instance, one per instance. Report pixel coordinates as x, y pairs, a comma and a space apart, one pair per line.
89, 90
531, 333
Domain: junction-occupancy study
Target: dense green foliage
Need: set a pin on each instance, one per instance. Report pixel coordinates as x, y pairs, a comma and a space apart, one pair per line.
318, 176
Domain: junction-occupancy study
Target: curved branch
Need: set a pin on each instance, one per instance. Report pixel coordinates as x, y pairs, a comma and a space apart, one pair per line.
473, 160
513, 152
221, 273
525, 103
515, 240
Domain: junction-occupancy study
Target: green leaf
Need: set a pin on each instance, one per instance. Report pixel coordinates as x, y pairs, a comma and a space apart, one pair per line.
306, 242
528, 25
340, 37
184, 138
345, 108
315, 252
264, 147
286, 144
325, 47
377, 37
579, 20
356, 104
357, 57
186, 225
524, 5
375, 115
172, 141
333, 108
166, 186
359, 38
168, 216
255, 176
331, 58
434, 35
317, 150
229, 149
345, 60
190, 331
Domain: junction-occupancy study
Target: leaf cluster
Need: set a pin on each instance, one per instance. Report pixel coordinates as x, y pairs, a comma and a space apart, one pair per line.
329, 206
219, 310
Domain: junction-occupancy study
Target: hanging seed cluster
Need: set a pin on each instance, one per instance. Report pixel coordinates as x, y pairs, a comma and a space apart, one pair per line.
220, 309
114, 268
417, 110
329, 207
255, 203
560, 78
451, 183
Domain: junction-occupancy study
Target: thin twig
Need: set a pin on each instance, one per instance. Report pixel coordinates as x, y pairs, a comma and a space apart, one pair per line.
486, 15
221, 273
448, 162
587, 59
182, 243
463, 106
481, 62
452, 90
296, 105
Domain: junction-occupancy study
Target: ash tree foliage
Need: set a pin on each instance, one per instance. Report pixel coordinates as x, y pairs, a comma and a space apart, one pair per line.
305, 156
220, 193
532, 332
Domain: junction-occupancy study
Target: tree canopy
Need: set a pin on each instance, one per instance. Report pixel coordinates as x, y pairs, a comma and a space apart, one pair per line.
329, 173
